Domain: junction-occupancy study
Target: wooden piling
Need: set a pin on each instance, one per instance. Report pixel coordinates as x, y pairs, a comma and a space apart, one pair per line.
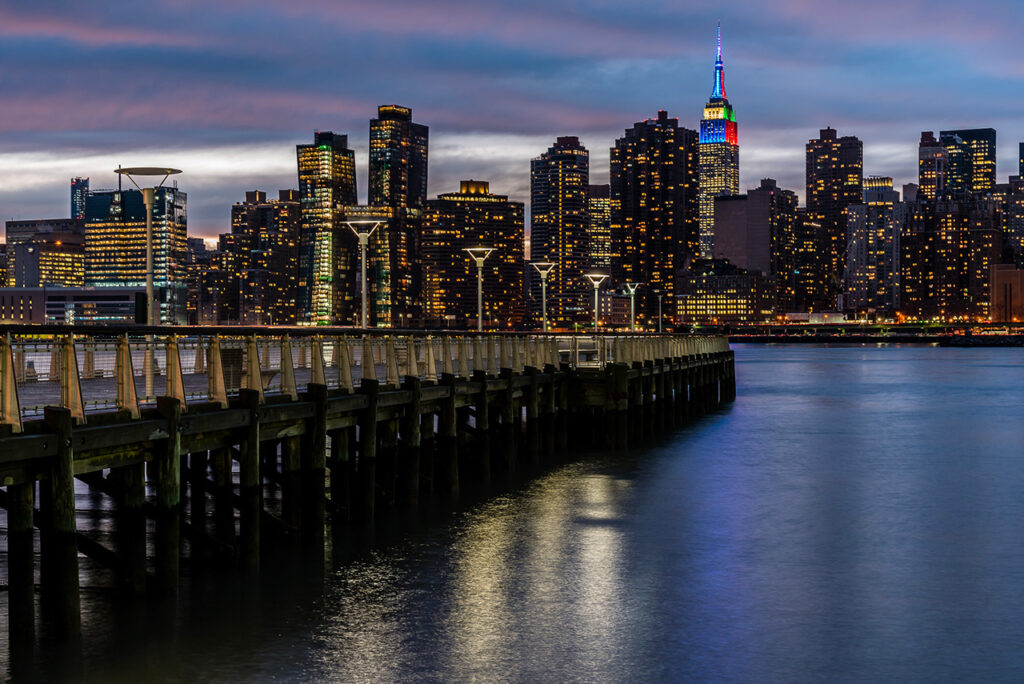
21, 611
250, 484
314, 468
448, 440
364, 494
168, 499
409, 462
59, 558
481, 465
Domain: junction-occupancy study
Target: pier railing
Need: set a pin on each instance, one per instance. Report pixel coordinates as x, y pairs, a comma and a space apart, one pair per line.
90, 373
282, 434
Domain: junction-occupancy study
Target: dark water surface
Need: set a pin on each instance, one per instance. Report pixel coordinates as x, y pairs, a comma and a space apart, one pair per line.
857, 515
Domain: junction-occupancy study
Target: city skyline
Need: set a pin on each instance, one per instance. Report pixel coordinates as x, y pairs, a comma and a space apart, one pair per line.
477, 84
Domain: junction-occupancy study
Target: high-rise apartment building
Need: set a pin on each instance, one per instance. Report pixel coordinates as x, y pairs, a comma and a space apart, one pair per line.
265, 257
472, 217
79, 193
972, 159
559, 226
57, 251
835, 180
948, 249
115, 245
874, 229
719, 154
755, 232
654, 206
932, 167
599, 213
398, 159
327, 249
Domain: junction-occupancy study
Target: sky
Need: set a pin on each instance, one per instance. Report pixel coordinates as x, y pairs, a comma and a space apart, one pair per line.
225, 89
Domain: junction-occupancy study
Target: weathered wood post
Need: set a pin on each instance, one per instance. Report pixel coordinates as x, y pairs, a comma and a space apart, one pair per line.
291, 481
341, 464
59, 552
314, 468
508, 421
198, 463
481, 467
221, 462
250, 484
448, 440
366, 473
532, 415
548, 406
21, 602
168, 499
409, 470
618, 397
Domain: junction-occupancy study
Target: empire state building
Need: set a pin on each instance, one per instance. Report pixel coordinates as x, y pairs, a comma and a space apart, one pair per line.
719, 154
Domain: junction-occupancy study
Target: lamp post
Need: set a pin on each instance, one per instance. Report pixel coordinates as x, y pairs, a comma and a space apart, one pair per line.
631, 290
148, 199
660, 295
478, 254
595, 279
543, 268
364, 239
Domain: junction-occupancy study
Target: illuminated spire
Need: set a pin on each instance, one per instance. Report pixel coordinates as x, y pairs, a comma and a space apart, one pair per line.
718, 92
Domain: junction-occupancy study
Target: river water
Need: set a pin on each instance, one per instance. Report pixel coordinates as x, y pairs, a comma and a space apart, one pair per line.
857, 515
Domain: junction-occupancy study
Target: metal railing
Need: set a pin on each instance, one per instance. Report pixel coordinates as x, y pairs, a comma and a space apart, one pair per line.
92, 372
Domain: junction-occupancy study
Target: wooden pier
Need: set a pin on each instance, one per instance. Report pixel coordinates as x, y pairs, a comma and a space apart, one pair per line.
339, 425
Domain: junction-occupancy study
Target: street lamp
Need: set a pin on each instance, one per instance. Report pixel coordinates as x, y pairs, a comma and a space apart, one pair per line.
595, 279
631, 290
478, 254
148, 199
660, 295
544, 268
364, 239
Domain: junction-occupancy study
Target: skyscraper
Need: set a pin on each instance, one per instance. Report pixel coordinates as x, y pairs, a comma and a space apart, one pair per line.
874, 229
79, 193
559, 182
1020, 159
654, 208
932, 167
115, 245
835, 180
973, 158
599, 212
327, 249
398, 159
265, 255
719, 154
472, 217
755, 231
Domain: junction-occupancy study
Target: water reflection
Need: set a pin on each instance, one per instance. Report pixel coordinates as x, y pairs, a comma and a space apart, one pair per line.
855, 516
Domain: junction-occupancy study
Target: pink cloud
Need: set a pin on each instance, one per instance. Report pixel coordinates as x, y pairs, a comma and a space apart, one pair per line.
21, 25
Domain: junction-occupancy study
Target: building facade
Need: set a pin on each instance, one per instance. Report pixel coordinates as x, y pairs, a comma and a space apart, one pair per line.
265, 257
115, 245
327, 249
398, 159
654, 207
473, 217
559, 226
719, 154
874, 230
599, 216
835, 180
972, 166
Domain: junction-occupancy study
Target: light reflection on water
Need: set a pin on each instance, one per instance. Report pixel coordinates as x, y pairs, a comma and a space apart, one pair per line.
855, 516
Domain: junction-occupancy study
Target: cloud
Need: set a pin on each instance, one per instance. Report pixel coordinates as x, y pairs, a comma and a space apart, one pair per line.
228, 88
